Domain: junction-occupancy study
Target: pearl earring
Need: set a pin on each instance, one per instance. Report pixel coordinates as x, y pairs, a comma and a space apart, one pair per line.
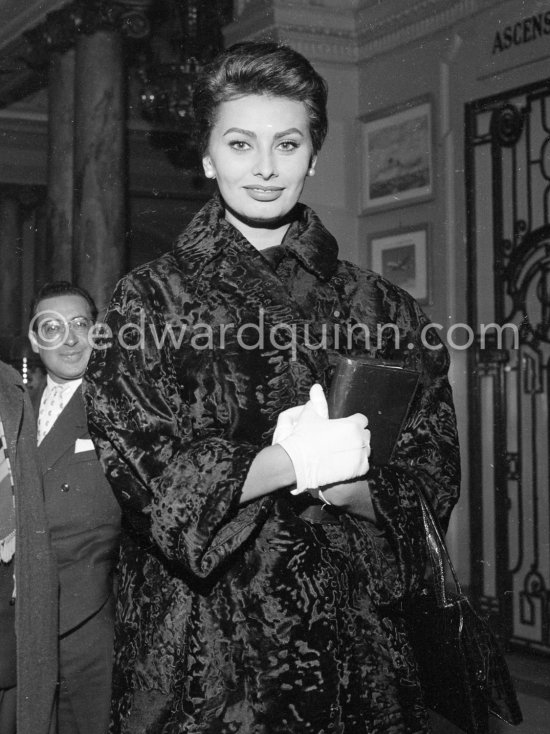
311, 171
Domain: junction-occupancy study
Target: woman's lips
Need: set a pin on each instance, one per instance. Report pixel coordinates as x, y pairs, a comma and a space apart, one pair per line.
264, 193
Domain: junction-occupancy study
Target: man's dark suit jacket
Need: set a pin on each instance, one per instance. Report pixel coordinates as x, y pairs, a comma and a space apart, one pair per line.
83, 515
35, 567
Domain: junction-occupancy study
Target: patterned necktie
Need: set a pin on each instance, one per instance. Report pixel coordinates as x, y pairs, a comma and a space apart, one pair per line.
51, 406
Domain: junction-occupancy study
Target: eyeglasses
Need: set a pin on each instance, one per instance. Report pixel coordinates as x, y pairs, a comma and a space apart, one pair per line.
54, 329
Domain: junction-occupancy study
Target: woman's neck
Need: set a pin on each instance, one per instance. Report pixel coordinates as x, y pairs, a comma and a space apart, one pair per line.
259, 235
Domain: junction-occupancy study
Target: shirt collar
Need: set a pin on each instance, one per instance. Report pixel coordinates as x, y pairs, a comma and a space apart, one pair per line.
68, 389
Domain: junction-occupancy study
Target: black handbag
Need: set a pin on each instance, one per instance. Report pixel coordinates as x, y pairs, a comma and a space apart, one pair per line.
462, 669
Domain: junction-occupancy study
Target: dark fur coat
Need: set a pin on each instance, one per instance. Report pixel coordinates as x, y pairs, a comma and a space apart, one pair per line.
252, 619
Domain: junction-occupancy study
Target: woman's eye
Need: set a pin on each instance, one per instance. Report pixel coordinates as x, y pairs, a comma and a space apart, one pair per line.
288, 145
239, 145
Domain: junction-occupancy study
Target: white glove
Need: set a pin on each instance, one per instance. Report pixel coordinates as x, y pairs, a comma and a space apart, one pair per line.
323, 451
286, 422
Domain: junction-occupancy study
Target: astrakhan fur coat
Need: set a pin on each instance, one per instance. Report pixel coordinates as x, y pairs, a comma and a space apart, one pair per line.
253, 619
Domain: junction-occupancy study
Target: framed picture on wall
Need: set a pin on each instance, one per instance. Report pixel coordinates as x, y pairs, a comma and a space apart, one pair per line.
397, 156
402, 256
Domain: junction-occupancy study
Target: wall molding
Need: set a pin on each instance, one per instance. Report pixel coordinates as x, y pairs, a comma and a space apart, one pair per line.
349, 31
320, 29
413, 22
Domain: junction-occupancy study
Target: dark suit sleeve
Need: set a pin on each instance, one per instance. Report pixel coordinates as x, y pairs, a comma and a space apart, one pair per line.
36, 611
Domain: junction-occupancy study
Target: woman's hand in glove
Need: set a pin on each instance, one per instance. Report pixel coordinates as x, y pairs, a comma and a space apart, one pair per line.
287, 420
322, 450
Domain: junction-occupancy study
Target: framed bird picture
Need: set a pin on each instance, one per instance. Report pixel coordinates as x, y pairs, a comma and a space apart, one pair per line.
402, 256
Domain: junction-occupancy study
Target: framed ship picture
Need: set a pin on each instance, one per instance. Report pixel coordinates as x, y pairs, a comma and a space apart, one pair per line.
397, 153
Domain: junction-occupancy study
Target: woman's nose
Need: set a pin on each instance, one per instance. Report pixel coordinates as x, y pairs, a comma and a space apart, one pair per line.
265, 165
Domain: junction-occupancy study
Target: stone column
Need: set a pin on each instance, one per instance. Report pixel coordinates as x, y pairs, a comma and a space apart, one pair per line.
11, 272
59, 207
100, 164
42, 267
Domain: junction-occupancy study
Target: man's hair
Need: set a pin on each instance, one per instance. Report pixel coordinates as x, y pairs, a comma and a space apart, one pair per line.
263, 68
61, 288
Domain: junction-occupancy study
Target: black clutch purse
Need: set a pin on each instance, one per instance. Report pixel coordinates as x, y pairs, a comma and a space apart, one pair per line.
462, 669
382, 391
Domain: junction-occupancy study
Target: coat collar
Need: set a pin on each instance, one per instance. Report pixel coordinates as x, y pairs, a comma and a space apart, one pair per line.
209, 235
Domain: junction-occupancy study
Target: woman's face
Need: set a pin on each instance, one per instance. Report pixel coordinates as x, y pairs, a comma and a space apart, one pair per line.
260, 153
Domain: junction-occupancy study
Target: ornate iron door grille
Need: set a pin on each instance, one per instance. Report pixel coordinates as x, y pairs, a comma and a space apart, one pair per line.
508, 215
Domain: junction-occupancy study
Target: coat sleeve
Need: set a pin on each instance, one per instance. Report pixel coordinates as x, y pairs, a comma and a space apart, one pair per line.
427, 459
177, 493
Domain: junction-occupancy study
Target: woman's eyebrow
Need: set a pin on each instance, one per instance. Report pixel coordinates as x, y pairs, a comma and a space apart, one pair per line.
239, 131
290, 131
251, 134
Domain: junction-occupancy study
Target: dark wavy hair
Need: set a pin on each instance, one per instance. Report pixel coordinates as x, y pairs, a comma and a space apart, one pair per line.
61, 288
259, 67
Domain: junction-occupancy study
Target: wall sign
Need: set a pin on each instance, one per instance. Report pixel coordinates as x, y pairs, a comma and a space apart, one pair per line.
512, 35
522, 31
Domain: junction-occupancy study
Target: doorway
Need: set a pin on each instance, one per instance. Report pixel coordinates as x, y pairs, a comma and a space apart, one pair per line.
508, 215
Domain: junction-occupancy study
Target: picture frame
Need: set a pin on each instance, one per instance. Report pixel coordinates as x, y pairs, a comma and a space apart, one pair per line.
402, 256
397, 156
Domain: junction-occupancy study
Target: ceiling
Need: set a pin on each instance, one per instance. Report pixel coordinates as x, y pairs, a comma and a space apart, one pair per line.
16, 17
17, 79
191, 27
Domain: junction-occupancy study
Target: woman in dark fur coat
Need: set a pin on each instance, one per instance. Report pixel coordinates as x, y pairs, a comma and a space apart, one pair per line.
259, 567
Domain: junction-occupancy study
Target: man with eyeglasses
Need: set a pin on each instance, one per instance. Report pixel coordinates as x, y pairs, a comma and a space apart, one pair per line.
82, 511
